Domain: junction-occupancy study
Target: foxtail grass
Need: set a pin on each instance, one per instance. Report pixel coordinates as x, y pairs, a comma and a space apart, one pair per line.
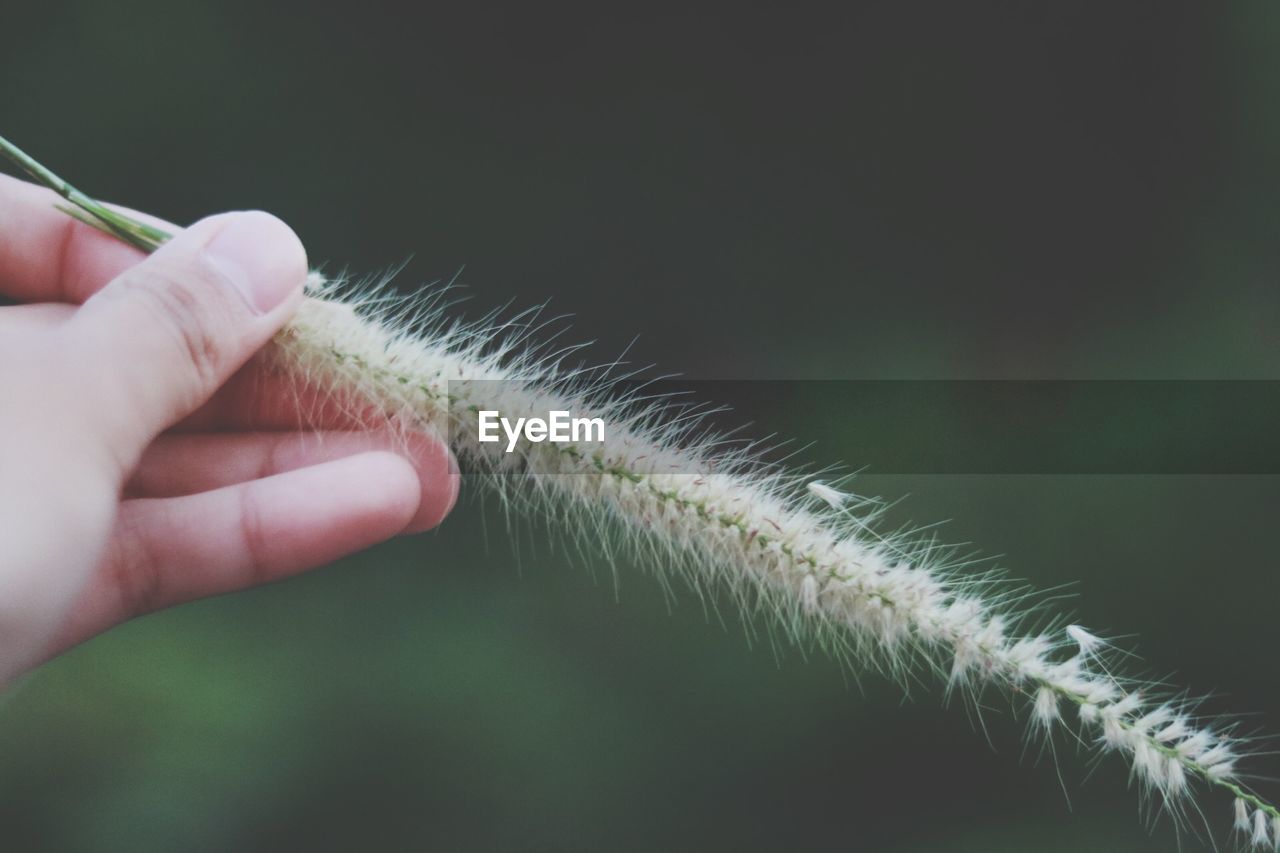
801, 552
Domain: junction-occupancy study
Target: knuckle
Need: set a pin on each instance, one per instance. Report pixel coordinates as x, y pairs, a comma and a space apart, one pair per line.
254, 533
135, 569
186, 306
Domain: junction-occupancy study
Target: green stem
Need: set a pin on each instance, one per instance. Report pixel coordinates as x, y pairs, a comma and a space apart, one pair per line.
138, 234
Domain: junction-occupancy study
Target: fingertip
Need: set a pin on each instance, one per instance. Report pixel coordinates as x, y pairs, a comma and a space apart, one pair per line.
392, 487
260, 255
439, 481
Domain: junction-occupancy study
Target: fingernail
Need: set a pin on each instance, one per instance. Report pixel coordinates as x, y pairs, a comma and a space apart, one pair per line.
455, 480
261, 257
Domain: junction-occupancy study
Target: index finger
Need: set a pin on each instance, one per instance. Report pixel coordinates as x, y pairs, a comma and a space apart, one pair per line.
48, 256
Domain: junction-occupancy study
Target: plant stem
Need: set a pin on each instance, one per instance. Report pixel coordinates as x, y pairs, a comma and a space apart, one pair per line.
138, 234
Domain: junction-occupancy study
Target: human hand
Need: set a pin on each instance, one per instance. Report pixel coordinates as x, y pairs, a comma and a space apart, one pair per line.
146, 458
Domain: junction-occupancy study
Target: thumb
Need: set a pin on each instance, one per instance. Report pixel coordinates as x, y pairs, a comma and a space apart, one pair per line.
163, 336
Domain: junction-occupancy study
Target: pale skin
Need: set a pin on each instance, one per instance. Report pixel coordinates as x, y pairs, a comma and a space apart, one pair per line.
147, 455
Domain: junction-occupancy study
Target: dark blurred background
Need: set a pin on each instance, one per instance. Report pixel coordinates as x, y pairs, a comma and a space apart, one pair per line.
886, 190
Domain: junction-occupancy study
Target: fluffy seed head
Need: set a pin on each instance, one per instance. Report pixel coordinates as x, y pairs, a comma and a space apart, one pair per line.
809, 594
1046, 708
828, 495
1087, 642
1260, 836
724, 520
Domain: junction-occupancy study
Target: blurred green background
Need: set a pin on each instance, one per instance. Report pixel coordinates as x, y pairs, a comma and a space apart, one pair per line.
885, 190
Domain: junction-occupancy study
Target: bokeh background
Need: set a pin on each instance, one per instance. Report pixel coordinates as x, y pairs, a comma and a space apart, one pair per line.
881, 190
